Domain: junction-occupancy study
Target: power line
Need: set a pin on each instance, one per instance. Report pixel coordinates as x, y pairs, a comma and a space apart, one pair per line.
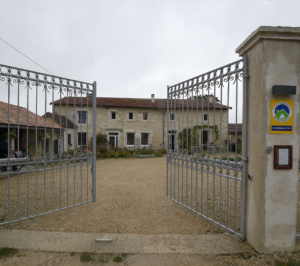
25, 56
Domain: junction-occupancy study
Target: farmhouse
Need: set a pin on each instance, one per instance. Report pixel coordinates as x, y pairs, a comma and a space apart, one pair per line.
133, 123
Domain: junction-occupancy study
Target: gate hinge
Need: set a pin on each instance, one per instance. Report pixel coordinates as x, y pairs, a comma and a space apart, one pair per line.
245, 159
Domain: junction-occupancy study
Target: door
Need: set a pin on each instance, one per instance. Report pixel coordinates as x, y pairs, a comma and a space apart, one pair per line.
204, 137
113, 140
55, 146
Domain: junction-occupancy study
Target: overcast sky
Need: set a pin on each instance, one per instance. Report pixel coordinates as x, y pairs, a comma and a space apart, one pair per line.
133, 48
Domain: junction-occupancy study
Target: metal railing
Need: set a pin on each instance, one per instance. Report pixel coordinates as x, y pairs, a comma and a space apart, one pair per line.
47, 158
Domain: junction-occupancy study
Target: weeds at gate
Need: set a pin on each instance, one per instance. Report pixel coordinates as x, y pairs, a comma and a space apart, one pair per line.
7, 252
86, 257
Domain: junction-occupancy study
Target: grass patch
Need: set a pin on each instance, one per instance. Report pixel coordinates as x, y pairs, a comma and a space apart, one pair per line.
86, 257
118, 259
7, 252
103, 260
243, 256
287, 263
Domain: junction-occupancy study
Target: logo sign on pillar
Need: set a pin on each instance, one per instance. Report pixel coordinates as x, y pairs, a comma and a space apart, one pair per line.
282, 117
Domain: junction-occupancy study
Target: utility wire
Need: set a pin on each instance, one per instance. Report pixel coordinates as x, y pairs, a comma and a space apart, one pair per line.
25, 56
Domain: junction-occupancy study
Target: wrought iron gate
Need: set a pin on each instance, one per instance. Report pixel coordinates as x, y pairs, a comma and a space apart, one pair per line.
205, 167
47, 143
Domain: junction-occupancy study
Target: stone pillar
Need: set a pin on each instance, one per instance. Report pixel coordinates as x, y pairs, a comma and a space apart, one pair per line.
271, 196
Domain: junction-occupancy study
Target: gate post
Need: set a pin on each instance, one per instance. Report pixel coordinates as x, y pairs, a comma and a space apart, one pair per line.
271, 194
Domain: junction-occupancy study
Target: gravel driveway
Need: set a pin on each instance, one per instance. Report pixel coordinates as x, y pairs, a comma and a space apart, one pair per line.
131, 198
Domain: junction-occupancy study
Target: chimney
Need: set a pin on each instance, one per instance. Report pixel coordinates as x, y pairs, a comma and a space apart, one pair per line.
152, 98
210, 98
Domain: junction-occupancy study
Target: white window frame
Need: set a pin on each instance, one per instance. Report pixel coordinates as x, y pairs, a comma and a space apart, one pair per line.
172, 117
207, 117
86, 116
143, 145
79, 134
130, 119
130, 145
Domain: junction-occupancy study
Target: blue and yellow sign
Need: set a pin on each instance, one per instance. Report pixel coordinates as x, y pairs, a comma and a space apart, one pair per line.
282, 117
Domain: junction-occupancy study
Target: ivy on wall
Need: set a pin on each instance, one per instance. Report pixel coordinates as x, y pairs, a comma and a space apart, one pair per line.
188, 136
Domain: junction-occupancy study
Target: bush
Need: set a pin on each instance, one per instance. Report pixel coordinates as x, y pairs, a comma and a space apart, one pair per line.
112, 154
158, 154
124, 153
101, 145
163, 151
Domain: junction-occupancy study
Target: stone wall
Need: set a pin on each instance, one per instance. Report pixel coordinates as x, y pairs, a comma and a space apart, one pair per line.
155, 125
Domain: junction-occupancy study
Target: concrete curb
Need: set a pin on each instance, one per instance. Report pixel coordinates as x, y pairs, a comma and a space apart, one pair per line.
122, 243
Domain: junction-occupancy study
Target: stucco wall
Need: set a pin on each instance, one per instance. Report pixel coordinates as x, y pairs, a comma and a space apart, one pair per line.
271, 196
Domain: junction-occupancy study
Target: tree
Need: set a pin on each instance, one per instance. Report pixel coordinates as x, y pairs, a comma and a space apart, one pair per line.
205, 97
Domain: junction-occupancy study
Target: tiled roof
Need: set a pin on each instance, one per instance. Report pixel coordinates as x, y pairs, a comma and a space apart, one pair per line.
233, 127
64, 121
33, 119
138, 103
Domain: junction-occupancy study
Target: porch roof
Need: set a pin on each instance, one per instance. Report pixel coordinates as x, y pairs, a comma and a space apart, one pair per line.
34, 120
62, 120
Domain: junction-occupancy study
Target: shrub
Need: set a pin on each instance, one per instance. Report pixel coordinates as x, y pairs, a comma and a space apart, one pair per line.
124, 153
112, 154
158, 154
101, 145
162, 151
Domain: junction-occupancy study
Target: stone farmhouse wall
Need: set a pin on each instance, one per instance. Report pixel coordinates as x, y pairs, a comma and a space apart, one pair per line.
155, 125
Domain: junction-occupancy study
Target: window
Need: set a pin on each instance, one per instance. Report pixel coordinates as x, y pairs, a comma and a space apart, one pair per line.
69, 139
145, 139
130, 139
145, 116
130, 115
81, 138
113, 115
82, 117
172, 116
205, 117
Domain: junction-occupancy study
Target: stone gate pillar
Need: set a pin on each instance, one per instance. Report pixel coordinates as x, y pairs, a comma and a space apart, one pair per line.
271, 196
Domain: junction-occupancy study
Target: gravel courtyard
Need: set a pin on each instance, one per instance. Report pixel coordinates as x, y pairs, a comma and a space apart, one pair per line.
131, 198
